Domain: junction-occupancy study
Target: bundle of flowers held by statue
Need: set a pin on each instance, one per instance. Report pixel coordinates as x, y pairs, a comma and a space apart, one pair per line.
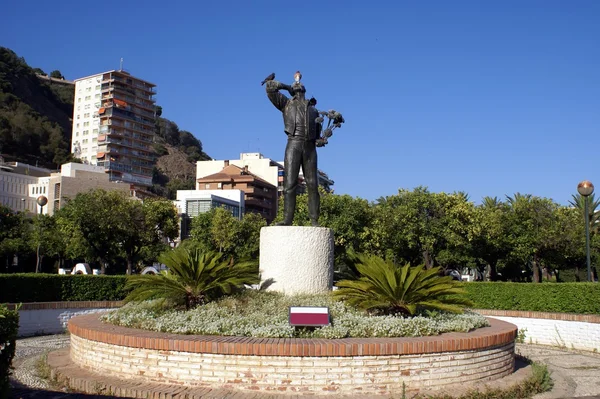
334, 120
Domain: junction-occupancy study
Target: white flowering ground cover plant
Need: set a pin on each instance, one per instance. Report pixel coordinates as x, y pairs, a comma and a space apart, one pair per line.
265, 315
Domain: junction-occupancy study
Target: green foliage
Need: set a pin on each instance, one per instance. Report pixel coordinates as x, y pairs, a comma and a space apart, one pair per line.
9, 326
550, 297
168, 132
111, 225
254, 313
35, 124
193, 278
415, 226
15, 231
217, 230
160, 149
28, 287
56, 74
381, 286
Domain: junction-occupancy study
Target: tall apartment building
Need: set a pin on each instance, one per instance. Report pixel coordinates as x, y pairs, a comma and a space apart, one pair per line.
113, 125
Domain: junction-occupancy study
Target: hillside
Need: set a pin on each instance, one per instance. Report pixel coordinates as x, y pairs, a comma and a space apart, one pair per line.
35, 127
35, 124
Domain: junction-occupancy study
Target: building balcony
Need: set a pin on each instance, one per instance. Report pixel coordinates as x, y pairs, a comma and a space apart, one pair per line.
258, 192
258, 203
125, 168
120, 148
108, 138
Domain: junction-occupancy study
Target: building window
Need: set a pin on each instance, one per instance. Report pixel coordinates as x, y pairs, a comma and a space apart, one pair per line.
86, 124
219, 185
87, 98
196, 207
94, 139
207, 185
79, 99
86, 115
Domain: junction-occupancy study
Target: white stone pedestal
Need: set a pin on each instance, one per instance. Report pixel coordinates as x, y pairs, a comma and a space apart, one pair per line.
296, 259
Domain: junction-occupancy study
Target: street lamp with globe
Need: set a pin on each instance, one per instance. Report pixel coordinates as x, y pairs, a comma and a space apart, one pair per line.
585, 189
41, 201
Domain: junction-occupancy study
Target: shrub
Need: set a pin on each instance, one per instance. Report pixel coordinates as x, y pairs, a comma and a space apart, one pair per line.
194, 278
549, 297
9, 326
30, 287
265, 314
382, 286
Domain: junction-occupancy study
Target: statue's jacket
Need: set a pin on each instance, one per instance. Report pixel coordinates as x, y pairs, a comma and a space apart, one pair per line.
292, 110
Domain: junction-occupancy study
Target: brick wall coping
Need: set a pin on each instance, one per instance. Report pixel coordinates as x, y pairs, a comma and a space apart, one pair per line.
90, 327
588, 318
67, 305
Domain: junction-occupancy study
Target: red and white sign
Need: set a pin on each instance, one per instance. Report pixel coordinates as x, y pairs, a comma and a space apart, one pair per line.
312, 316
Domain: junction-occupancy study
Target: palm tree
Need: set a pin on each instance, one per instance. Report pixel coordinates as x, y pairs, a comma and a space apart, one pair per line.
578, 202
490, 202
193, 278
381, 286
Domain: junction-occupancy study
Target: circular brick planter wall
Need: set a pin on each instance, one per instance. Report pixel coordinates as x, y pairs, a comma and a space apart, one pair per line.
351, 365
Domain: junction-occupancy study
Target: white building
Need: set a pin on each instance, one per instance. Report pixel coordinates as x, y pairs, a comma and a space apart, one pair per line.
257, 164
19, 185
113, 125
191, 203
22, 184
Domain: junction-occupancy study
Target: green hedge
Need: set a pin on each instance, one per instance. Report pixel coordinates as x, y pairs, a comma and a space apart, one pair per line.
546, 297
9, 326
30, 287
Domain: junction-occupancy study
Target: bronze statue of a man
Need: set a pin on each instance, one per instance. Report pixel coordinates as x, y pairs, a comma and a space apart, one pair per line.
303, 129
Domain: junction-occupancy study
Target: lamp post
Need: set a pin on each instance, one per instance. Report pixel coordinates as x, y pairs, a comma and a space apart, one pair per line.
586, 188
41, 201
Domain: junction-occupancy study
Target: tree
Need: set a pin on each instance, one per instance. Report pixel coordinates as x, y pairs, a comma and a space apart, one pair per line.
532, 222
56, 74
14, 234
247, 239
416, 226
98, 216
383, 287
223, 229
45, 240
489, 234
193, 278
593, 217
145, 225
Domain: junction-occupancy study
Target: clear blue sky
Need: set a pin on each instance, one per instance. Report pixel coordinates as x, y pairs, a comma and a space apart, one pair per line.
488, 97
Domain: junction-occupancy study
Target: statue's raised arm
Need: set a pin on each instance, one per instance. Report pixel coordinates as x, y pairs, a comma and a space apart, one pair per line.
279, 100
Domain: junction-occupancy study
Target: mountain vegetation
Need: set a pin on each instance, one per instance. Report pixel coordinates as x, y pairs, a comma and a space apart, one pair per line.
36, 111
35, 115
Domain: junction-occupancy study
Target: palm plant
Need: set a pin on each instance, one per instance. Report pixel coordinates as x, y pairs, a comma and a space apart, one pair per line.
384, 287
193, 278
578, 202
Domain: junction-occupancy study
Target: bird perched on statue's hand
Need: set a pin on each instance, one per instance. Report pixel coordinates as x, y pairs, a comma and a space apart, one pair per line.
268, 78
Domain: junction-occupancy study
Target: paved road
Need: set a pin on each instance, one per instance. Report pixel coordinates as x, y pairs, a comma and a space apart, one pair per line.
575, 374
